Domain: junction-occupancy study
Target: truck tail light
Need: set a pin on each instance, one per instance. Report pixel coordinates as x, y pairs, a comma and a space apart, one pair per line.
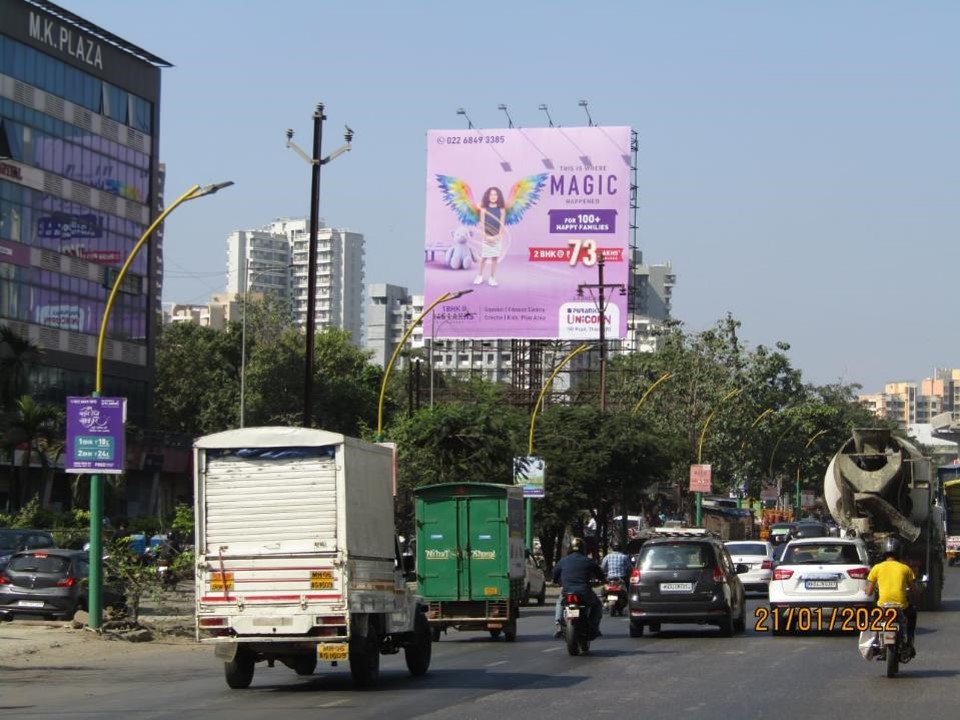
859, 573
782, 574
209, 622
635, 576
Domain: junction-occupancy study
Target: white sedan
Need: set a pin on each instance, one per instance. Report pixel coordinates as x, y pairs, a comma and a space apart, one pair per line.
756, 555
819, 584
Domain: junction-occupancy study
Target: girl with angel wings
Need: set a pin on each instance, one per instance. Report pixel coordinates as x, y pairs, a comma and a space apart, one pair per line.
493, 213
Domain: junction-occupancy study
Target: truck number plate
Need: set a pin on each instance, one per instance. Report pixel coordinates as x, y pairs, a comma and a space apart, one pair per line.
676, 587
321, 580
216, 581
332, 651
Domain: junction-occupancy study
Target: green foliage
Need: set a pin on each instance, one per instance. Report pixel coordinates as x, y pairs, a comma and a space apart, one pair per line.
183, 521
137, 580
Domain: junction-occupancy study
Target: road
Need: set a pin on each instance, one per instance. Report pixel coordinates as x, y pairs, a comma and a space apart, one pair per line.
683, 671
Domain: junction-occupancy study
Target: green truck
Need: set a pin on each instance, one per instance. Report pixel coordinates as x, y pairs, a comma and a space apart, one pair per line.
470, 556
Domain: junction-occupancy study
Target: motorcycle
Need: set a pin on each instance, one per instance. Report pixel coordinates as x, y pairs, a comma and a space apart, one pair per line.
576, 624
614, 596
893, 645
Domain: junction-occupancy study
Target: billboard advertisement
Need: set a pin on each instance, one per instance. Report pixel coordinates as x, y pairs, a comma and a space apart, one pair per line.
519, 218
95, 435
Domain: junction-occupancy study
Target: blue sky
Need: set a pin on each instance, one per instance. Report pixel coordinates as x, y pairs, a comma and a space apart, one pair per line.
798, 160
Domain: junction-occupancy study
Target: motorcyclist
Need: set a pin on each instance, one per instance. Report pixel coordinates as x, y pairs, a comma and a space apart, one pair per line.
574, 574
895, 582
616, 564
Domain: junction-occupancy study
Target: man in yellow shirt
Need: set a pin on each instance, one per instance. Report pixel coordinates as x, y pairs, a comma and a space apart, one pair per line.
895, 582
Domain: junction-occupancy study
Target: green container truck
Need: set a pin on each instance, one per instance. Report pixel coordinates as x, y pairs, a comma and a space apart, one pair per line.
470, 556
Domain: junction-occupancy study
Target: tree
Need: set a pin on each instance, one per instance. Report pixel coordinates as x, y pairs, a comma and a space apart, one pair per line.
34, 428
17, 356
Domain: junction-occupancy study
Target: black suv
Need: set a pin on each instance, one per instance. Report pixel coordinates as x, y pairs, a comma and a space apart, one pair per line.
686, 577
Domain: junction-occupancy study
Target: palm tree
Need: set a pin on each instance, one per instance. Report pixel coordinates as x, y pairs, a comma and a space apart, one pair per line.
17, 356
32, 427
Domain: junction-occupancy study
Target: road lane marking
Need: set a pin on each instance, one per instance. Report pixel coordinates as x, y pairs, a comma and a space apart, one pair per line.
553, 649
498, 662
334, 703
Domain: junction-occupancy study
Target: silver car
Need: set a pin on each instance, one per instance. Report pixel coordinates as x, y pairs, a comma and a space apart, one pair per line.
758, 556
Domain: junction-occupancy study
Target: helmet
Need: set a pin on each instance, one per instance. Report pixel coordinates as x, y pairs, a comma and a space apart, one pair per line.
576, 545
615, 546
891, 547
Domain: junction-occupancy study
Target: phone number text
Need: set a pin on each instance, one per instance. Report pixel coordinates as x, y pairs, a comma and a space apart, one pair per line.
470, 139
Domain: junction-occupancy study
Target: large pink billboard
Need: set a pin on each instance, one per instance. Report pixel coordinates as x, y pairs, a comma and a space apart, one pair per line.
520, 217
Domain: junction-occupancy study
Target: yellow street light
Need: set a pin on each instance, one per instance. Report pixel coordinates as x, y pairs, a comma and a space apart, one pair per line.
403, 341
665, 376
95, 581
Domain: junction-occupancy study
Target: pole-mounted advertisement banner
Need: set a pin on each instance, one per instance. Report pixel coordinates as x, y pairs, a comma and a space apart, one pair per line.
528, 472
700, 478
95, 435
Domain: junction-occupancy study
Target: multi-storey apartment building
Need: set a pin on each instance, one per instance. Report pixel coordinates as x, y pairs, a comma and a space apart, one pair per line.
79, 185
274, 260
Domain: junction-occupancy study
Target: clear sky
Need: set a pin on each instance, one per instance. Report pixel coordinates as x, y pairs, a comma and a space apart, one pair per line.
798, 160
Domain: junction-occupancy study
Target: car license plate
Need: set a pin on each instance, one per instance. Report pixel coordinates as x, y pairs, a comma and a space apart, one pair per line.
676, 587
820, 584
572, 612
332, 651
30, 603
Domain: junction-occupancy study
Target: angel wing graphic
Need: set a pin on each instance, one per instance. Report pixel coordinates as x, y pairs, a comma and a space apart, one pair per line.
458, 197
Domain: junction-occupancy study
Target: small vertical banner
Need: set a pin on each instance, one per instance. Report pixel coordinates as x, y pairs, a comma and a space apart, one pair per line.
95, 435
528, 472
700, 478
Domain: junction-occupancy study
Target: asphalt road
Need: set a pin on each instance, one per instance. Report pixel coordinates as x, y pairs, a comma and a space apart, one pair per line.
685, 671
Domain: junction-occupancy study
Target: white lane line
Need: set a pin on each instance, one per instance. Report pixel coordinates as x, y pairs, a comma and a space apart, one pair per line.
498, 662
554, 649
334, 703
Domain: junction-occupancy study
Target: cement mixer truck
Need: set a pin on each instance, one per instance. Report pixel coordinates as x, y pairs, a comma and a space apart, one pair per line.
880, 485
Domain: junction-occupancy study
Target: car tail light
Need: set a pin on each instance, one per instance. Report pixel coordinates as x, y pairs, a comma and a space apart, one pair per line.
718, 576
859, 573
635, 576
766, 565
3, 580
67, 582
573, 599
213, 622
781, 574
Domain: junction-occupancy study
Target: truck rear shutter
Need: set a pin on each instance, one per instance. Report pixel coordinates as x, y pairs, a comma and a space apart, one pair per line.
289, 504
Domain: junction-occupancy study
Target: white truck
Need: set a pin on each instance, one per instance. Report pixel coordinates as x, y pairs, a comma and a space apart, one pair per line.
297, 559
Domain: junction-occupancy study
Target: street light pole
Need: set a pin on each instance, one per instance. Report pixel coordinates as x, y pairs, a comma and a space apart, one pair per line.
315, 162
95, 577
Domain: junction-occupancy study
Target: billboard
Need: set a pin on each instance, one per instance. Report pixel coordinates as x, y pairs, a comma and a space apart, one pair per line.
519, 218
95, 435
529, 472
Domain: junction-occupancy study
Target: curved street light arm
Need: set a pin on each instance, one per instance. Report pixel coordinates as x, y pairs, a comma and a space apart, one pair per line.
665, 376
543, 391
403, 341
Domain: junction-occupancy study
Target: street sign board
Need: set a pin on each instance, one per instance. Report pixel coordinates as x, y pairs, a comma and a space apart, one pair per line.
95, 435
700, 478
807, 499
528, 472
769, 493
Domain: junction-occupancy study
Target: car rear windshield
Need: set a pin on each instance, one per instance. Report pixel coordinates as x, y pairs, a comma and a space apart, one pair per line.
821, 554
747, 549
682, 556
38, 563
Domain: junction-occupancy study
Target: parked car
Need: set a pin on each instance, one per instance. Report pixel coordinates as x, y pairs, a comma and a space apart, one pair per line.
15, 539
686, 576
50, 582
823, 575
758, 556
535, 582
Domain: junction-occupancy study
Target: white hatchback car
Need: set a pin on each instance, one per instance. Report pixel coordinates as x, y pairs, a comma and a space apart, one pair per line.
820, 584
756, 555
